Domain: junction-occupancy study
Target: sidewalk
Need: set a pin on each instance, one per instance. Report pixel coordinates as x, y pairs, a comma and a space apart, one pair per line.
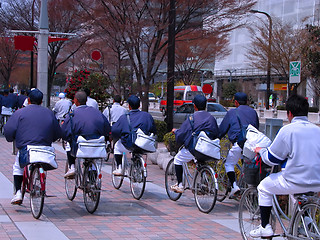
119, 215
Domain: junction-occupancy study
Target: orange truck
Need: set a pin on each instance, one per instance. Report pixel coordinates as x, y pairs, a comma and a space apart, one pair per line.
182, 94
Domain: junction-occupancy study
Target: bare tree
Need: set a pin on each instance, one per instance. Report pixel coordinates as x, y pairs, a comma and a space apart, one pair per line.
141, 27
285, 47
197, 49
8, 59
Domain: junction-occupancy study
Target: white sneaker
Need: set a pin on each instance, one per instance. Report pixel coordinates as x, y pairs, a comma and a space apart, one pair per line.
177, 188
234, 190
71, 172
117, 171
17, 199
266, 232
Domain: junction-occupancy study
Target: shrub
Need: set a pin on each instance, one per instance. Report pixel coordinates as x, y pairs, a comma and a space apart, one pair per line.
313, 109
281, 107
161, 129
170, 141
227, 103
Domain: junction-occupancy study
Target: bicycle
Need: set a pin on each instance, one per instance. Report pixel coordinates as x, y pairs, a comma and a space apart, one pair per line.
34, 178
137, 168
303, 224
224, 186
203, 183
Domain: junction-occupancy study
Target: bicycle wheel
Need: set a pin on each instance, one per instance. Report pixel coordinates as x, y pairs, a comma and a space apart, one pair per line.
70, 185
91, 186
223, 181
116, 180
170, 180
306, 224
137, 178
205, 192
36, 194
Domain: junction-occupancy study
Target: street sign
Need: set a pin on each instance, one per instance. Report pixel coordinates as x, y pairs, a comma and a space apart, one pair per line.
295, 72
207, 89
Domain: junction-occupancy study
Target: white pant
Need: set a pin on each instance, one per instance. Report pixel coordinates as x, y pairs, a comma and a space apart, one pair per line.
276, 184
17, 170
183, 156
119, 148
233, 157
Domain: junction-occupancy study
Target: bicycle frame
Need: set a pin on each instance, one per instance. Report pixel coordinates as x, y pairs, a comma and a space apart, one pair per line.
277, 211
26, 177
126, 163
188, 177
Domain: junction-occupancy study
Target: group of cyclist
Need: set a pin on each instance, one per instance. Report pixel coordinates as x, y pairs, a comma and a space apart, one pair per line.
296, 144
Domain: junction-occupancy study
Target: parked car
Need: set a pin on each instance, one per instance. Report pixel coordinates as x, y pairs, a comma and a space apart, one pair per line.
152, 97
180, 115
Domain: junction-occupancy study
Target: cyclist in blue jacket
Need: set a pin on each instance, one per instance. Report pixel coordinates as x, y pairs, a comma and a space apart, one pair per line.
32, 125
202, 121
231, 125
120, 129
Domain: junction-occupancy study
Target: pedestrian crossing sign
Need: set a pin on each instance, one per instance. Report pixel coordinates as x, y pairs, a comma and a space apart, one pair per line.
295, 72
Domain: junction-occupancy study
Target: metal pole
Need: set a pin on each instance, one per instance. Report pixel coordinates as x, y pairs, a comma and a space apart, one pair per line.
42, 66
170, 74
269, 55
31, 56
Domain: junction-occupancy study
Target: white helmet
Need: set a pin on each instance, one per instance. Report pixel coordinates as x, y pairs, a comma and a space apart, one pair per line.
61, 95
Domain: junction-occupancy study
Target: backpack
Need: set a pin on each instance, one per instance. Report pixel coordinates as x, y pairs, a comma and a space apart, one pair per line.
137, 138
203, 147
242, 135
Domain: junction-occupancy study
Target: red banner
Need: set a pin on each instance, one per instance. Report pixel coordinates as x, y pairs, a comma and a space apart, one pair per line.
55, 39
24, 43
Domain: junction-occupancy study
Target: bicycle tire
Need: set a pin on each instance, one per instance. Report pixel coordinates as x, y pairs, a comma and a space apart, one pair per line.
205, 191
249, 213
91, 186
171, 179
36, 194
223, 181
306, 223
137, 178
116, 180
70, 184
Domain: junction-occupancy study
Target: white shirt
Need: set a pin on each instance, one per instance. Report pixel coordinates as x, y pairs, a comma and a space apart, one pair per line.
116, 111
299, 143
93, 103
61, 108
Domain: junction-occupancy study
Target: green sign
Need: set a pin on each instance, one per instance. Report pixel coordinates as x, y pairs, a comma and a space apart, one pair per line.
295, 72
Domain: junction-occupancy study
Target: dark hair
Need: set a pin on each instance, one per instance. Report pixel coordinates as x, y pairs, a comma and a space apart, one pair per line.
117, 98
81, 96
297, 105
23, 91
87, 91
35, 96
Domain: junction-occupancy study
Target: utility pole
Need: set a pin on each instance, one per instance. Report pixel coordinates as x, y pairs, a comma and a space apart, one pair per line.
171, 56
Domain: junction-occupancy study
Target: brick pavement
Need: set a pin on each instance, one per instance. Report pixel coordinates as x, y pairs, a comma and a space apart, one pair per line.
119, 215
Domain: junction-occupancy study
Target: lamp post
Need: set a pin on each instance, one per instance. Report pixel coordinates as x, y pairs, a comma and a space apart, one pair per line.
231, 71
269, 55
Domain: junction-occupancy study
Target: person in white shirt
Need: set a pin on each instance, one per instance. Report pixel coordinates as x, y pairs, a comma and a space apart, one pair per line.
90, 101
114, 112
62, 107
297, 146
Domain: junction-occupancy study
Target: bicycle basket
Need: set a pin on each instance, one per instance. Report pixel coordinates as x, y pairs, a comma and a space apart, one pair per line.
255, 170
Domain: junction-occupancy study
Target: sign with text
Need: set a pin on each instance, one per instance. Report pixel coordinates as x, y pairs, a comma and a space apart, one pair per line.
295, 72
